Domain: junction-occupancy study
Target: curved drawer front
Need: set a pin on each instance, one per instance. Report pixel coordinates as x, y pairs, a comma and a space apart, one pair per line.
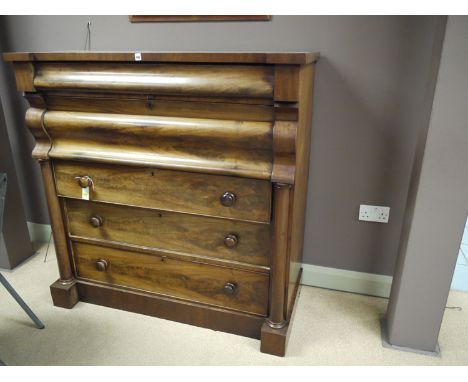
240, 81
155, 131
213, 146
190, 234
167, 190
220, 286
242, 148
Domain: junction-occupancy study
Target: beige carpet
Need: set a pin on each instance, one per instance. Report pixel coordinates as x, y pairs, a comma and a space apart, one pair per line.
330, 328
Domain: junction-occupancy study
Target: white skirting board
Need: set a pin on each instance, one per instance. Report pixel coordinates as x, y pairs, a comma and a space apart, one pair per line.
347, 281
312, 275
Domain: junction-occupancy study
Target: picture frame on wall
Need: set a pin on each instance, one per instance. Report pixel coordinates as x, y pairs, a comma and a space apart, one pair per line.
197, 18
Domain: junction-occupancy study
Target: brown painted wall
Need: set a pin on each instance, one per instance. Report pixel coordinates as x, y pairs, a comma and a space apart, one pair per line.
372, 89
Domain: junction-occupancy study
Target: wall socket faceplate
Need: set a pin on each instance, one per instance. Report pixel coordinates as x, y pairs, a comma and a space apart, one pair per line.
376, 214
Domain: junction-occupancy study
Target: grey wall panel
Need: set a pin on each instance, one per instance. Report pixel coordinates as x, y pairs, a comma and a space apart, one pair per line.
437, 205
22, 142
370, 101
15, 245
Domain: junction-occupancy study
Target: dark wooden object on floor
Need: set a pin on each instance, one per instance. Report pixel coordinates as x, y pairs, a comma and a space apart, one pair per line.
177, 185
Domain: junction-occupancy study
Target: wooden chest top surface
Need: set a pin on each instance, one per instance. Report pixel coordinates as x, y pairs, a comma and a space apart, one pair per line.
214, 57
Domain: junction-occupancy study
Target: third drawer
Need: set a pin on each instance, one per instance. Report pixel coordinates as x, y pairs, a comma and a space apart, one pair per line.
227, 239
214, 285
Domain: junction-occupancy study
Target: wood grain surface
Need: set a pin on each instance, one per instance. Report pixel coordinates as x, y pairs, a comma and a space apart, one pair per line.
181, 279
33, 120
167, 190
183, 150
24, 75
237, 109
298, 208
154, 141
188, 312
198, 80
157, 132
201, 57
191, 234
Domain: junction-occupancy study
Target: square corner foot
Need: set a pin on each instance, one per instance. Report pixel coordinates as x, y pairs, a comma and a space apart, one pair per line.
64, 295
388, 345
273, 341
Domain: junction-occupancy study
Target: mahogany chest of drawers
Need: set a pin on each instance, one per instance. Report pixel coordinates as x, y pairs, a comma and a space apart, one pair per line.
176, 184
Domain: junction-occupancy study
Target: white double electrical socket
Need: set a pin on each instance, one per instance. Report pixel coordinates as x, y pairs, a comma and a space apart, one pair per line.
376, 214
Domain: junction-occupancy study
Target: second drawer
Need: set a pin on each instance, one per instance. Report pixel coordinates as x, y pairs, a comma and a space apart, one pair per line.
199, 235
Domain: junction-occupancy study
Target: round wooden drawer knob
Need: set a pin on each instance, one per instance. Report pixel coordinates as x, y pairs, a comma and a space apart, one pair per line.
230, 289
102, 265
231, 240
84, 181
228, 199
96, 221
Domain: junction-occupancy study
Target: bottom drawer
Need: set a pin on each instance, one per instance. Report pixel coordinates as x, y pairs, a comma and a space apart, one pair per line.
215, 285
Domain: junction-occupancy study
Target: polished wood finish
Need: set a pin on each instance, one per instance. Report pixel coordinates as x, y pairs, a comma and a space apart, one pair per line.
171, 131
168, 190
164, 106
189, 19
284, 137
274, 340
64, 295
24, 75
277, 317
255, 164
176, 185
173, 254
187, 312
283, 169
194, 145
286, 83
298, 209
297, 58
174, 278
251, 81
192, 234
34, 120
57, 223
284, 149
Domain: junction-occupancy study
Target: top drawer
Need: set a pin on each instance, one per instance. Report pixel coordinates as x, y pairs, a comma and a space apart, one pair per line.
214, 195
238, 81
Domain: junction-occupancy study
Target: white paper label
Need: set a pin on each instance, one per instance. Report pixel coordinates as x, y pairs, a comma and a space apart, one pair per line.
85, 193
137, 56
